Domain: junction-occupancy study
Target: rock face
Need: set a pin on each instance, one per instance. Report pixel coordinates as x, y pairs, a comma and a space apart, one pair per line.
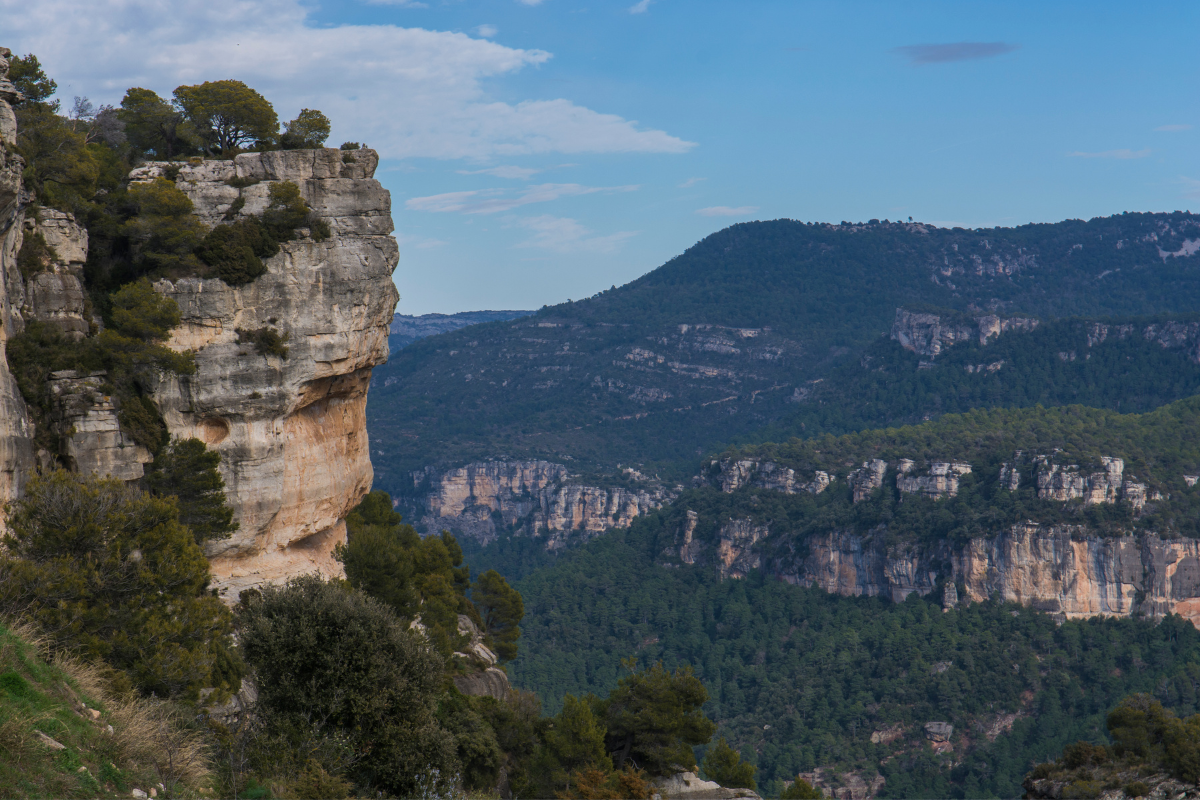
16, 429
732, 474
941, 479
291, 430
537, 497
484, 678
1060, 569
85, 420
55, 295
688, 786
929, 334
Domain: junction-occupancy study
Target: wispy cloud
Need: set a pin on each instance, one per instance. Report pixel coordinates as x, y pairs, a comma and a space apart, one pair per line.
1191, 188
486, 31
401, 3
640, 7
921, 54
492, 201
530, 2
1123, 154
417, 241
726, 211
690, 182
564, 235
1173, 128
515, 173
407, 92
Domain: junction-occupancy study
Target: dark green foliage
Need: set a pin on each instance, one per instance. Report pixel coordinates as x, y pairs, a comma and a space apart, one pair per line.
724, 765
154, 126
236, 251
479, 753
801, 790
109, 572
266, 341
30, 80
35, 255
351, 146
307, 131
825, 671
391, 563
228, 115
164, 233
187, 470
829, 296
61, 168
286, 211
140, 419
344, 665
1141, 728
501, 609
141, 313
572, 742
654, 719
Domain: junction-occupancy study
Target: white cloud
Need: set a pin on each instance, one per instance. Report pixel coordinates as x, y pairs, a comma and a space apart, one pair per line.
491, 201
408, 92
530, 2
1173, 128
516, 173
726, 211
1123, 154
419, 242
401, 3
640, 7
563, 235
690, 182
486, 31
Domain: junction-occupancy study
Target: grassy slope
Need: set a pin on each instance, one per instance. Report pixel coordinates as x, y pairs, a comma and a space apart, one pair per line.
56, 699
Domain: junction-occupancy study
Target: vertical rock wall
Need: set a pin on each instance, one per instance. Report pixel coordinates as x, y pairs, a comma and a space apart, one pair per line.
16, 430
291, 430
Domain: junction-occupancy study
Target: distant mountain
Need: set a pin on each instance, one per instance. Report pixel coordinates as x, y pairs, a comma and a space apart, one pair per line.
406, 329
721, 341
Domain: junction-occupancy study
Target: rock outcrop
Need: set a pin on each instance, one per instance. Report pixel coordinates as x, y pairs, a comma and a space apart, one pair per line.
482, 677
733, 474
689, 786
1059, 569
55, 294
940, 480
91, 441
929, 334
16, 429
537, 497
291, 430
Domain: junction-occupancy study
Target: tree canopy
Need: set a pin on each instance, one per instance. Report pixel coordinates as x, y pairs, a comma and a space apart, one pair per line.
228, 115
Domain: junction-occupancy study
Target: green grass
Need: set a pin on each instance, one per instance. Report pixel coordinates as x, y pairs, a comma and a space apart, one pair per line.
56, 698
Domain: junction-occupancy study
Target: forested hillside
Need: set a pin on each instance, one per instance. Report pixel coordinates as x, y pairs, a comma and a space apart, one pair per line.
800, 679
719, 342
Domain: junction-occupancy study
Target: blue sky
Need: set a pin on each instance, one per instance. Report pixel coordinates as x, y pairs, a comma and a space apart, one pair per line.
540, 151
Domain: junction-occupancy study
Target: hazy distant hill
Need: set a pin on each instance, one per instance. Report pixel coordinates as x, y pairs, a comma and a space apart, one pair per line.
407, 328
715, 344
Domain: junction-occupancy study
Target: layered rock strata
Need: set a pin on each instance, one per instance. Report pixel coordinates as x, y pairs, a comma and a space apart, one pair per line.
1060, 569
16, 429
538, 497
291, 430
55, 294
91, 439
929, 334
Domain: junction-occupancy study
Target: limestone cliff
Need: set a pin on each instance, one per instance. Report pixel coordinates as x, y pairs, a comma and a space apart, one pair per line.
538, 498
16, 429
291, 430
929, 334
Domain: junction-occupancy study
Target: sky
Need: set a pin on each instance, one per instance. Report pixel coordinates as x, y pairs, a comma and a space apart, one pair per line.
544, 150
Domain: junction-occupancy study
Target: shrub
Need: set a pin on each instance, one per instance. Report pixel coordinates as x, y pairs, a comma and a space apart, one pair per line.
236, 251
266, 341
340, 664
107, 571
724, 765
801, 790
35, 255
142, 313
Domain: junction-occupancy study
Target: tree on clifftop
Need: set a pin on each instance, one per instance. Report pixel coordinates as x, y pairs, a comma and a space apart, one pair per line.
308, 130
228, 114
152, 125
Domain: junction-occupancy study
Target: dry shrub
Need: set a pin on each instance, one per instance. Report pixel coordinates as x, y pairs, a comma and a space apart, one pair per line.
152, 732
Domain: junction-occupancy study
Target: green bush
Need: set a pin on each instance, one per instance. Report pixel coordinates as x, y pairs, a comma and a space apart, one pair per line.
801, 790
187, 470
35, 255
341, 665
724, 765
109, 572
236, 251
266, 341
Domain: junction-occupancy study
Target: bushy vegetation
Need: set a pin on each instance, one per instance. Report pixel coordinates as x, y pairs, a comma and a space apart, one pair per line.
1148, 742
187, 470
109, 573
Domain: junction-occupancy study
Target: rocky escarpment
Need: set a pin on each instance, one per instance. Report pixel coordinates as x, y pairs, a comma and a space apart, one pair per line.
290, 428
537, 498
1068, 570
16, 429
928, 334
